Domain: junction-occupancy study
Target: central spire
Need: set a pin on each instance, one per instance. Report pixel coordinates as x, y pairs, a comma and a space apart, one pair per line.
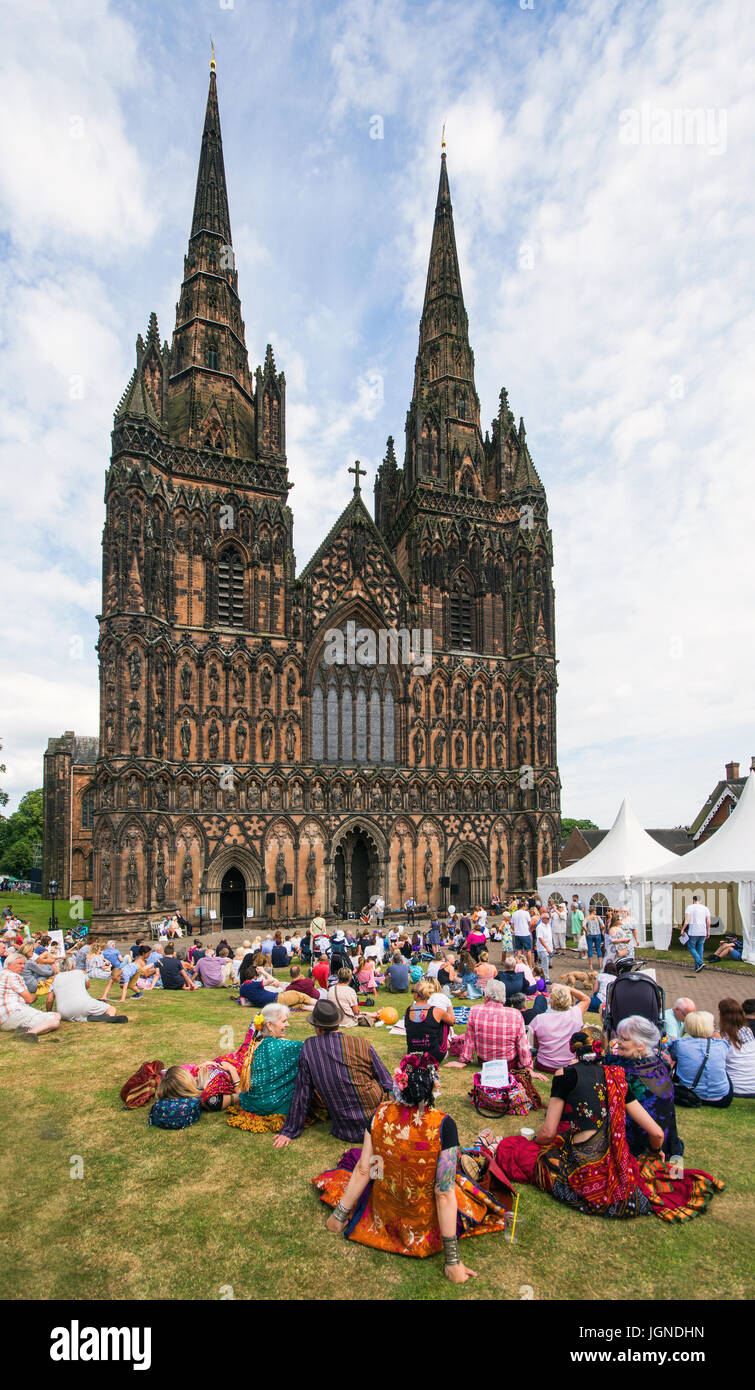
211, 199
443, 427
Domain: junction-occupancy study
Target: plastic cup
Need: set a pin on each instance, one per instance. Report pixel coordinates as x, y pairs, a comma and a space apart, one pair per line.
527, 1133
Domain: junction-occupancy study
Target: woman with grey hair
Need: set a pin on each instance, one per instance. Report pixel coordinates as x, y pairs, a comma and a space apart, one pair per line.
637, 1050
268, 1075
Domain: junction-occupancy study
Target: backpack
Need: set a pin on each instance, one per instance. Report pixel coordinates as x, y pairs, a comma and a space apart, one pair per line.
141, 1087
633, 993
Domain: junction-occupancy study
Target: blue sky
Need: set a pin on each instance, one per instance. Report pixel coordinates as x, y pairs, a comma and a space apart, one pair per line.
605, 251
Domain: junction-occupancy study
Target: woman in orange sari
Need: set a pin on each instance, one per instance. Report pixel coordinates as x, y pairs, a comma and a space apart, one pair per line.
405, 1194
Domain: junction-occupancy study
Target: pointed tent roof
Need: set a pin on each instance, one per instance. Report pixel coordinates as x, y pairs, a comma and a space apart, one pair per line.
627, 851
211, 199
728, 854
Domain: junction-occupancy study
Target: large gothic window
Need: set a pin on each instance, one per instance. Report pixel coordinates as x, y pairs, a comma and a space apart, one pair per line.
352, 723
231, 588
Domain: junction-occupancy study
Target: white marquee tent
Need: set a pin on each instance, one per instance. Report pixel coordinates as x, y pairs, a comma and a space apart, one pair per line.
726, 862
618, 869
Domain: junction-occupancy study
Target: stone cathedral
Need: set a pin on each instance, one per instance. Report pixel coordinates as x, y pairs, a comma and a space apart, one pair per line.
234, 761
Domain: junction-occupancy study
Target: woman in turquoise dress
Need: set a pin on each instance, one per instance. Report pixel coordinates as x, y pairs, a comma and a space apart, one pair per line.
268, 1075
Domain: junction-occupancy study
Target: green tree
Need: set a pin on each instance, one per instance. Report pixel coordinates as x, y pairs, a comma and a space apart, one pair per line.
3, 795
19, 835
568, 823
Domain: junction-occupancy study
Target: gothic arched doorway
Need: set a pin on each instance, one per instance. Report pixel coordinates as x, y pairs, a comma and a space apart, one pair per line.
462, 877
232, 899
356, 873
360, 875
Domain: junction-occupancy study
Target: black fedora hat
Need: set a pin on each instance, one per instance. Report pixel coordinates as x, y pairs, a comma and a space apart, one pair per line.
325, 1014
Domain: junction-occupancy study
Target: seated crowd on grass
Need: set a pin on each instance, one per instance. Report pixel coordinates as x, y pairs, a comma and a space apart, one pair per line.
609, 1143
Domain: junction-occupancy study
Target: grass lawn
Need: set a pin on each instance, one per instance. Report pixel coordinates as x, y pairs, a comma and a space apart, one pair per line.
681, 956
32, 908
185, 1214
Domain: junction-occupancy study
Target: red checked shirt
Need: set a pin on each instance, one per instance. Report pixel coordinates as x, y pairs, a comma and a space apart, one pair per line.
12, 990
495, 1032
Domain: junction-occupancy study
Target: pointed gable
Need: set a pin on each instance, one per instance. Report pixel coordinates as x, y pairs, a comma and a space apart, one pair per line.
354, 562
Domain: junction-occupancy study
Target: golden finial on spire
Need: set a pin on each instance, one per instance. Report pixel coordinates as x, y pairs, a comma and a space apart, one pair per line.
443, 138
212, 60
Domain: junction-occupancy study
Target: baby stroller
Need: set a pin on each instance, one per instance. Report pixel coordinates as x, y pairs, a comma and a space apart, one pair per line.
78, 934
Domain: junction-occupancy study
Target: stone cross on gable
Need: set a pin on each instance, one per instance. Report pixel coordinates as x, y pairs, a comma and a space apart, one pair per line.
359, 472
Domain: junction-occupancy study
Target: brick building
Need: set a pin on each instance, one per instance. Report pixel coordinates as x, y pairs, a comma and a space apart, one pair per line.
68, 800
720, 804
235, 758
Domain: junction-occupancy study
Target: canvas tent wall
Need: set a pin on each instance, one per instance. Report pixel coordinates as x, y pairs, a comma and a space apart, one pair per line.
617, 869
725, 862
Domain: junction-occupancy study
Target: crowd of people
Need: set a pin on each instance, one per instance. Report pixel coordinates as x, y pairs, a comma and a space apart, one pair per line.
609, 1138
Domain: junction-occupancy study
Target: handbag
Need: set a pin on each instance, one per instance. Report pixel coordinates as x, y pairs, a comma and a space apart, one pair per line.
686, 1095
491, 1101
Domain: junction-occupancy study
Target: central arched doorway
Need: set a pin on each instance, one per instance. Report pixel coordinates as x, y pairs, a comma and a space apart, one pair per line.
232, 899
357, 873
463, 879
360, 875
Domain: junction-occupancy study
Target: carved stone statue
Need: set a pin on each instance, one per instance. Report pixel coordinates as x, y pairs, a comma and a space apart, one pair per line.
239, 684
107, 792
498, 702
376, 799
135, 668
458, 699
451, 797
132, 879
542, 744
161, 878
110, 725
241, 737
337, 797
428, 870
439, 747
310, 873
280, 872
266, 741
417, 697
158, 732
186, 675
432, 798
479, 749
213, 739
213, 684
356, 796
161, 794
415, 800
468, 797
253, 796
184, 795
542, 704
520, 702
499, 865
208, 796
266, 684
418, 743
187, 876
297, 796
396, 797
438, 699
479, 702
484, 800
275, 796
290, 743
291, 686
134, 792
521, 745
160, 670
546, 858
134, 726
401, 871
499, 750
459, 750
106, 879
185, 733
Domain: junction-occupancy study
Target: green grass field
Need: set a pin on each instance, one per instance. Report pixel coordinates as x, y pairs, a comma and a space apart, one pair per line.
192, 1213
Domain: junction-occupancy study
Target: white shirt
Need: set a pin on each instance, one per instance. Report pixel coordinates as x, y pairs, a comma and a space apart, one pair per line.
482, 918
374, 952
379, 906
520, 922
543, 934
697, 919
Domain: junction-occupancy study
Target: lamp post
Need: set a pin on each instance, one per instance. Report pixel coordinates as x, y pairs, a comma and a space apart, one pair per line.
52, 889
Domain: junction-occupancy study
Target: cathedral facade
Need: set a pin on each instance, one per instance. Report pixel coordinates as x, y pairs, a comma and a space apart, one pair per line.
237, 759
